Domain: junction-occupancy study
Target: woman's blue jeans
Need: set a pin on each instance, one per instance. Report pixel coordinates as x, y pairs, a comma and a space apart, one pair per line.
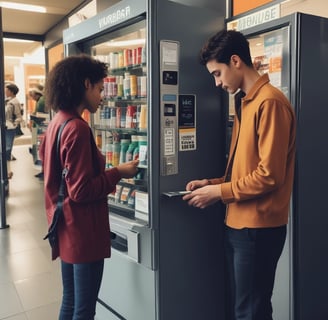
81, 284
252, 255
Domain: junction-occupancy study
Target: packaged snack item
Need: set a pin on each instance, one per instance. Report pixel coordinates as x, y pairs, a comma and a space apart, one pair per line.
125, 195
118, 191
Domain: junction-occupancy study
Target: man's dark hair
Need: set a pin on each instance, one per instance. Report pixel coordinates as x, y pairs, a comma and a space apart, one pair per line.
223, 45
65, 87
13, 88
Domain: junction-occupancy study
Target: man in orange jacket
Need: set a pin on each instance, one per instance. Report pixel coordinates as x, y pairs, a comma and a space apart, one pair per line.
259, 175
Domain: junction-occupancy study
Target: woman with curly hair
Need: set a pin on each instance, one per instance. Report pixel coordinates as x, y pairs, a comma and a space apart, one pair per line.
75, 84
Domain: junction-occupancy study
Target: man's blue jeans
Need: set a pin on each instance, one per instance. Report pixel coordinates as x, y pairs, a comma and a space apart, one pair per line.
81, 284
252, 256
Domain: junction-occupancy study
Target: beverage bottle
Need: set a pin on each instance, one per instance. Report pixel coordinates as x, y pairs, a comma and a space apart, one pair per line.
120, 87
132, 146
109, 156
102, 116
142, 86
109, 149
143, 150
118, 117
123, 117
116, 154
111, 60
120, 59
131, 113
143, 117
133, 86
103, 142
107, 116
124, 147
143, 55
126, 86
135, 155
132, 199
112, 123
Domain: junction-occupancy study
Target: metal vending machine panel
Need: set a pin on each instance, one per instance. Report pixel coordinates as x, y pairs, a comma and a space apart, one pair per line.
169, 91
163, 251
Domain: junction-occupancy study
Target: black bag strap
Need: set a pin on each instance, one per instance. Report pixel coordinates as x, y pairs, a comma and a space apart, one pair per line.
61, 194
64, 170
62, 126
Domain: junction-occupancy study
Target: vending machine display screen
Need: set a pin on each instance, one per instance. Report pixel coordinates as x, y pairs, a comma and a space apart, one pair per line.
170, 77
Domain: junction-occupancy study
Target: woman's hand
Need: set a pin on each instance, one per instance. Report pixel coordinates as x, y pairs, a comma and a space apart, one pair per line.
128, 169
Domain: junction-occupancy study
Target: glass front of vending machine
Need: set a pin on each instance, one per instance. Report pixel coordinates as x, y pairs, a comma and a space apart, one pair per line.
120, 124
120, 127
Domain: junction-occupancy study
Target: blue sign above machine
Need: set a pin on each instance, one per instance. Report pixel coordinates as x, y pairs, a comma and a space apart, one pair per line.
114, 15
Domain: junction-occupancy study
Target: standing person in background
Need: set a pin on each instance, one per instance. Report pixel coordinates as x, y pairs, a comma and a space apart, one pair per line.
36, 94
258, 179
13, 117
75, 84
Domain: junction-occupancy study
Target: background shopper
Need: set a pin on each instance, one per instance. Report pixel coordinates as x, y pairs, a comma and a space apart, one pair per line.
13, 117
36, 93
75, 84
258, 180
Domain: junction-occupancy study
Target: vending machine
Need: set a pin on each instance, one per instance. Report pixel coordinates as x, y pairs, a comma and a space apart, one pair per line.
293, 51
160, 106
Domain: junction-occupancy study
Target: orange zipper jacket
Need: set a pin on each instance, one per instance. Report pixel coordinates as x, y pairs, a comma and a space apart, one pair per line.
258, 194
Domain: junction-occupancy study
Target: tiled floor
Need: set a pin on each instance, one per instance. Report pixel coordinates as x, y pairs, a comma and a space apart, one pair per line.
30, 283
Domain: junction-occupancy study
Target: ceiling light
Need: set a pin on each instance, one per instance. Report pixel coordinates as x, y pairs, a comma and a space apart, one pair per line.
22, 6
16, 40
13, 57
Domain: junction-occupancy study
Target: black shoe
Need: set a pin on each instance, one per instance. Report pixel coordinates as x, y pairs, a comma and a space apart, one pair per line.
13, 158
39, 175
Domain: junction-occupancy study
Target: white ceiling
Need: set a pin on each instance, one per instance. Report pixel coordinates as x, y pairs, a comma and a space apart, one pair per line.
19, 21
32, 23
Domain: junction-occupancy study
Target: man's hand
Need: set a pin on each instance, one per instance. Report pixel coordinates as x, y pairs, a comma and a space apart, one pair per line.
204, 196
